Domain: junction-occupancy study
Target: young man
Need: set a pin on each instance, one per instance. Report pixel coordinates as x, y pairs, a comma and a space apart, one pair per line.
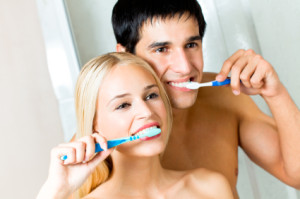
211, 123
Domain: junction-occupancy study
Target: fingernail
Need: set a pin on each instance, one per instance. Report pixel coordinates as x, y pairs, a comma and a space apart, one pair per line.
105, 148
219, 77
236, 92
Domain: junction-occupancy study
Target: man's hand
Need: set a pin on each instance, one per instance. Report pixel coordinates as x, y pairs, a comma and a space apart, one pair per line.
250, 74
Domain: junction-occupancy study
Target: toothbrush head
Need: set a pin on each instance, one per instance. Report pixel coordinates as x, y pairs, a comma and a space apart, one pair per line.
192, 85
151, 132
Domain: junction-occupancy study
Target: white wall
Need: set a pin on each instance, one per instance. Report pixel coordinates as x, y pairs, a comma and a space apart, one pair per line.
91, 25
29, 118
278, 30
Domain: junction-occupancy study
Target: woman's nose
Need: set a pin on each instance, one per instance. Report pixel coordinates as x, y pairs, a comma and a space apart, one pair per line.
143, 110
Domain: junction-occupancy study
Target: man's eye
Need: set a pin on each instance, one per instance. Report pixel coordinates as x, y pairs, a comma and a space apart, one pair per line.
122, 106
161, 50
152, 96
191, 45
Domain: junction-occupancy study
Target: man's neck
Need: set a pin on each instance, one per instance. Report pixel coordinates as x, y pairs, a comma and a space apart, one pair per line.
180, 118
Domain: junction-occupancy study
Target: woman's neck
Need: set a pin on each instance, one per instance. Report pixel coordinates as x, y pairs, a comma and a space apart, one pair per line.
136, 176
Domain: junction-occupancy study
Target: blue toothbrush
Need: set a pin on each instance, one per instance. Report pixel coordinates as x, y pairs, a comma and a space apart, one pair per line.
196, 85
115, 142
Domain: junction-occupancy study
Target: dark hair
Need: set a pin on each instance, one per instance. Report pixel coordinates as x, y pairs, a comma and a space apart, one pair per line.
129, 16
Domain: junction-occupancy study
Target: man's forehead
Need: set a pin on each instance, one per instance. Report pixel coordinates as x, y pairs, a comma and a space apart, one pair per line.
160, 29
167, 19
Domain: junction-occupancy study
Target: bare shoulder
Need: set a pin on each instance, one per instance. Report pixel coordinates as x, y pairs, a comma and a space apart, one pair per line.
209, 183
93, 197
97, 193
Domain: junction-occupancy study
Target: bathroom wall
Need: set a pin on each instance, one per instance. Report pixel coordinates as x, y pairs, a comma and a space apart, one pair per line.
29, 119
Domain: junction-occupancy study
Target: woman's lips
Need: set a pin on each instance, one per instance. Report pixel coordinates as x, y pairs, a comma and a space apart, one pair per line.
145, 127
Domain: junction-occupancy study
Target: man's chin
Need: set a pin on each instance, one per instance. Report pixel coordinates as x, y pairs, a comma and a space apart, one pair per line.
182, 103
182, 99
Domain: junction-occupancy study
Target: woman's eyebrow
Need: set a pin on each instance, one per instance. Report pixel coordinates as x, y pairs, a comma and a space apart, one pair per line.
127, 94
118, 97
150, 86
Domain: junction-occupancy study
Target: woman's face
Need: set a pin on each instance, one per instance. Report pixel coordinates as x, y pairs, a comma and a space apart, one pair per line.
128, 102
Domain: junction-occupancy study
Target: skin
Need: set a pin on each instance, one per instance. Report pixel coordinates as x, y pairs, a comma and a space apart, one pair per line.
210, 123
130, 96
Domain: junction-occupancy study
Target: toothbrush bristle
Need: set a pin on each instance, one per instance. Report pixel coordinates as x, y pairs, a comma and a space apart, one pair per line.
192, 85
151, 132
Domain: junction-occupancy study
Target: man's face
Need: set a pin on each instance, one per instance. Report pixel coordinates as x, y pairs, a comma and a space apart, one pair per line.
173, 47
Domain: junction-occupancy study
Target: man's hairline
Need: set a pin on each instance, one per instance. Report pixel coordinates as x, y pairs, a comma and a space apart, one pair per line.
162, 18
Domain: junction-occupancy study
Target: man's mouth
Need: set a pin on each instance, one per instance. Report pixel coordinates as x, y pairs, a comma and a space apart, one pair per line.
180, 84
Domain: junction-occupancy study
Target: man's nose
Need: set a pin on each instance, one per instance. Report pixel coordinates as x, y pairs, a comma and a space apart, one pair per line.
181, 63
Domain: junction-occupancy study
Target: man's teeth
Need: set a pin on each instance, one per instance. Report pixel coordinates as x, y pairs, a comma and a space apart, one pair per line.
145, 130
180, 84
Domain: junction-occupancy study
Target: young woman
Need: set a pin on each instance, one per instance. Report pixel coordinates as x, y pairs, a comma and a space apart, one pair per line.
119, 95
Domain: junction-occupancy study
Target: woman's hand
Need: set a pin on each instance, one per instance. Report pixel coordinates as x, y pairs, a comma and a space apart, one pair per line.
67, 176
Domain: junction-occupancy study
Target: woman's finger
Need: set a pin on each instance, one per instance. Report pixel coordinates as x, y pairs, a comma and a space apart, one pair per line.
90, 146
101, 140
64, 154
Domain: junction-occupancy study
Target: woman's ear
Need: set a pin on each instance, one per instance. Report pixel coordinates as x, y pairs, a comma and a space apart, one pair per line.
120, 48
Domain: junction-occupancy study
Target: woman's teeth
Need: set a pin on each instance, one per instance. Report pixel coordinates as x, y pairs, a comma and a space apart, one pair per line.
145, 130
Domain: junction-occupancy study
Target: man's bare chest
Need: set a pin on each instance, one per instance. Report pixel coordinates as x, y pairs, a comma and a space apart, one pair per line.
210, 143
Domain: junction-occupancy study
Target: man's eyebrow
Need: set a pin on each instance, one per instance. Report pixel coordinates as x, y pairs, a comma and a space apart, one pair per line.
194, 38
165, 43
158, 44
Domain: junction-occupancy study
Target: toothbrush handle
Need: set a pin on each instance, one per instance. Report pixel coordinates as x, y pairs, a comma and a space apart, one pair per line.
110, 144
115, 142
216, 83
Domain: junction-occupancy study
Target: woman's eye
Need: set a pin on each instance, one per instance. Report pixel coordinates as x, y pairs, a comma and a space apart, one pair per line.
152, 96
122, 106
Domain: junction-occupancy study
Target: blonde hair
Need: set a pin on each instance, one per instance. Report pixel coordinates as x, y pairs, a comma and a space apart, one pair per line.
86, 94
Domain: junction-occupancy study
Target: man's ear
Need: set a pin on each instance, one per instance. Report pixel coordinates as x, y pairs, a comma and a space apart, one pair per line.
120, 48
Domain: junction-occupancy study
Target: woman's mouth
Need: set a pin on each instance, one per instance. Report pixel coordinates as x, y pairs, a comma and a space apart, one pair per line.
145, 130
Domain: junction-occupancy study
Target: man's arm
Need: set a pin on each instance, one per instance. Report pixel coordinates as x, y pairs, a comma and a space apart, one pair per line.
272, 143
